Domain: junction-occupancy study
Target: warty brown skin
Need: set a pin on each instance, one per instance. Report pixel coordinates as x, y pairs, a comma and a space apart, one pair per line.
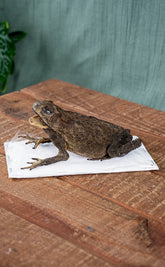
84, 135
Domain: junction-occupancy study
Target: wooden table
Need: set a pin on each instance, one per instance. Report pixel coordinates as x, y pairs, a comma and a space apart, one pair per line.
83, 220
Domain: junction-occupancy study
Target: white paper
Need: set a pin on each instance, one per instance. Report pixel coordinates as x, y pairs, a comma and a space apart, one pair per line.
18, 154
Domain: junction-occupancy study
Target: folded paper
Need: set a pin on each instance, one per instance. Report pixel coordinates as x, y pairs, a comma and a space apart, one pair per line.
18, 154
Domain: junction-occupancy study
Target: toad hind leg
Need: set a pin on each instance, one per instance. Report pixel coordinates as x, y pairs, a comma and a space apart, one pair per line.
120, 146
61, 156
124, 149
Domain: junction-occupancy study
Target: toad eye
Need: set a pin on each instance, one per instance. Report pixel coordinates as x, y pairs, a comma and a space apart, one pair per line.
47, 111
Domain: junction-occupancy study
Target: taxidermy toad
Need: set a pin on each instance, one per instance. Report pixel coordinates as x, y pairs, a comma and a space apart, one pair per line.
84, 135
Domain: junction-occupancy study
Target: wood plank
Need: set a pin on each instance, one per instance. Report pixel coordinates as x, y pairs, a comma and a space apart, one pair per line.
125, 243
26, 244
92, 222
142, 193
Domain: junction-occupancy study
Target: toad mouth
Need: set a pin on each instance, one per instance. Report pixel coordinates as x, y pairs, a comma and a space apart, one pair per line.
36, 121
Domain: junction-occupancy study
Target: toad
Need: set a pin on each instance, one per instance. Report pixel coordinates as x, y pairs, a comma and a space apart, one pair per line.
84, 135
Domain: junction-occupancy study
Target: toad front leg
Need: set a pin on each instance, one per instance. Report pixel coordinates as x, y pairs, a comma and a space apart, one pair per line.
61, 156
36, 141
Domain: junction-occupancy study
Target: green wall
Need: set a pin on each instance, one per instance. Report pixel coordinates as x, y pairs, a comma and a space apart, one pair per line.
113, 46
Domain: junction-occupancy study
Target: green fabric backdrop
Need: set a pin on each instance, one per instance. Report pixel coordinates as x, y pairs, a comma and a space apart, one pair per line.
113, 46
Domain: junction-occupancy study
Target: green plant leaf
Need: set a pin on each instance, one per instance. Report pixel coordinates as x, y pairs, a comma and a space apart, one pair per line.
17, 36
7, 51
4, 26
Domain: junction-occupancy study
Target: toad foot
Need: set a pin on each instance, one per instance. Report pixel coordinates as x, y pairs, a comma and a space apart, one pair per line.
34, 164
36, 141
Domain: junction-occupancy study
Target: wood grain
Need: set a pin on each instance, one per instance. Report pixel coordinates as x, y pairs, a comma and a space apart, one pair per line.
26, 244
96, 225
117, 219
